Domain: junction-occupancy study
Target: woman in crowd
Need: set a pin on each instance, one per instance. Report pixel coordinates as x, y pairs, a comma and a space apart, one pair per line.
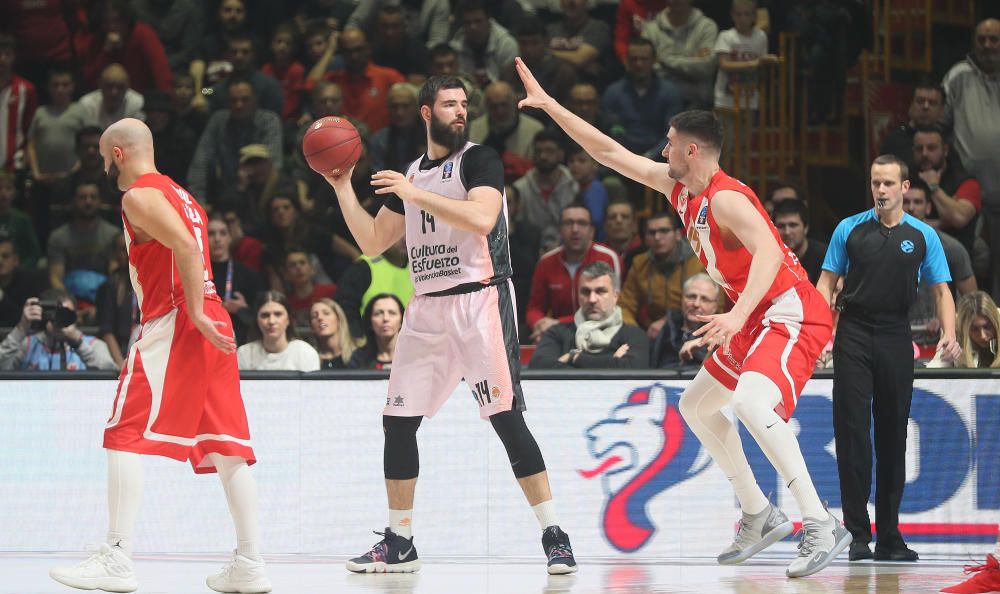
383, 317
278, 346
333, 340
976, 330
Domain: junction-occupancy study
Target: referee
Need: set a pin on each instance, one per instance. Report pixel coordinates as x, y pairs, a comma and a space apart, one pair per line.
882, 254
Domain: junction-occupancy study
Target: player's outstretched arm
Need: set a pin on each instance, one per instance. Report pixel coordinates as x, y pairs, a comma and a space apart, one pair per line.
147, 209
600, 146
373, 234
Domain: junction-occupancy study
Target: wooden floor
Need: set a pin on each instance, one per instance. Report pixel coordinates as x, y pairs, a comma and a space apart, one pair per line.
28, 574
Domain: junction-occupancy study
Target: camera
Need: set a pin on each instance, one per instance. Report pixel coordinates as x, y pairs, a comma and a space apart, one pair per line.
53, 311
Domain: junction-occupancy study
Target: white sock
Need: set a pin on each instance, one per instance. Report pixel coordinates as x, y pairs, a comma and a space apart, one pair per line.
700, 406
124, 497
546, 514
401, 522
241, 495
753, 402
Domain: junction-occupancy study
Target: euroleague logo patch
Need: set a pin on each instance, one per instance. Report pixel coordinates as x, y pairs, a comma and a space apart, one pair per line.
642, 449
446, 170
907, 246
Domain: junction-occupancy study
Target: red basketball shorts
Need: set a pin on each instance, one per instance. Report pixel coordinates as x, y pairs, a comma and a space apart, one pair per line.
781, 341
179, 396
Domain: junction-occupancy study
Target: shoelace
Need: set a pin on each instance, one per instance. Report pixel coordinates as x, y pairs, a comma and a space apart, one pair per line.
560, 550
976, 568
810, 538
96, 558
743, 534
381, 547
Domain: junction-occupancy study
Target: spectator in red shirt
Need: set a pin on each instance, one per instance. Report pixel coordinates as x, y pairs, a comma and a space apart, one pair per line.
365, 85
287, 70
956, 195
302, 291
43, 30
125, 40
245, 249
632, 15
18, 102
553, 297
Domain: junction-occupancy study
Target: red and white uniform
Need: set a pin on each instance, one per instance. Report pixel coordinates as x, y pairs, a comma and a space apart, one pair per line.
785, 335
18, 102
178, 396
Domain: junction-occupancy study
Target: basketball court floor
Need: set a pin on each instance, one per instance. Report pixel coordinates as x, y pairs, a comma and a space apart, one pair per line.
28, 574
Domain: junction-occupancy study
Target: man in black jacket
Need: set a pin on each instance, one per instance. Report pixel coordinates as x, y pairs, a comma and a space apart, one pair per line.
596, 337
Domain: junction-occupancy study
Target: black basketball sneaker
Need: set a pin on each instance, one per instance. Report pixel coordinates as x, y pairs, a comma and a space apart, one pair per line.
555, 542
392, 554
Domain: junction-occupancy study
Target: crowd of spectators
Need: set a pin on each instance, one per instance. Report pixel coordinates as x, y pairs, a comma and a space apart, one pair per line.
228, 88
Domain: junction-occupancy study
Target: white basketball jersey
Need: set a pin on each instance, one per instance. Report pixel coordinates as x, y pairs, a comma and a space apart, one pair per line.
443, 257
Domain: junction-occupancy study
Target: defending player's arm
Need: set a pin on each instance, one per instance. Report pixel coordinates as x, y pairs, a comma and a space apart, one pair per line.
148, 210
373, 234
600, 146
734, 212
827, 284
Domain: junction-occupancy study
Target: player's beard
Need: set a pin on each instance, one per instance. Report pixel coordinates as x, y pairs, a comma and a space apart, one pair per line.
113, 173
675, 172
442, 133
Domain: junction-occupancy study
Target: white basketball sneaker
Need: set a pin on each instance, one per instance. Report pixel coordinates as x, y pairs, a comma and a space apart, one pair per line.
242, 575
108, 569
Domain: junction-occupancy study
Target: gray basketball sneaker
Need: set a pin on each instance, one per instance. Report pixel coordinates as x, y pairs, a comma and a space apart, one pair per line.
756, 533
821, 542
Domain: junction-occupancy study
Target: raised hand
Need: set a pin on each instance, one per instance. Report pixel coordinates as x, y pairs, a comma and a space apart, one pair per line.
536, 96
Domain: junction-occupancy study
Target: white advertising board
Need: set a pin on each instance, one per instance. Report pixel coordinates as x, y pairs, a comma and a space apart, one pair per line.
628, 476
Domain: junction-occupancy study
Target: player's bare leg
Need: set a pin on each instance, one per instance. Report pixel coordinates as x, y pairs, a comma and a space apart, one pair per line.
245, 572
110, 567
762, 524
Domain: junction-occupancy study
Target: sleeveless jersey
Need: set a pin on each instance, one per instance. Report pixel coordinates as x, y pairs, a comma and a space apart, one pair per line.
154, 273
442, 257
729, 266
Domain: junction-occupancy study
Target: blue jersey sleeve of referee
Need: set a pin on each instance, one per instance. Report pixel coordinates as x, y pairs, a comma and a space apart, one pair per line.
836, 260
934, 268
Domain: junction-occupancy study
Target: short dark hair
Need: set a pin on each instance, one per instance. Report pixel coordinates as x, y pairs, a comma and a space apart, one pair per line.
239, 37
60, 70
467, 6
87, 131
548, 135
238, 79
920, 184
390, 9
429, 90
530, 28
904, 169
316, 27
701, 124
791, 207
576, 204
926, 81
619, 202
641, 42
938, 129
781, 186
675, 221
442, 49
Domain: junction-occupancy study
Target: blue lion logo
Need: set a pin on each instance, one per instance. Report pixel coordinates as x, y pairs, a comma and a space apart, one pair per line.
644, 448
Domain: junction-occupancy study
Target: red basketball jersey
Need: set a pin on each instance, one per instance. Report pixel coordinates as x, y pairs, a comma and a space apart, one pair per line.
154, 273
729, 266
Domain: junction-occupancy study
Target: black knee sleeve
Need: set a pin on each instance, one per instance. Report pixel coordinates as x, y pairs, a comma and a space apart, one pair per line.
400, 459
525, 457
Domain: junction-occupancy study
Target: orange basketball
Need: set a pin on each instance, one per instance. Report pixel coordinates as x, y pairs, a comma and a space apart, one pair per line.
331, 145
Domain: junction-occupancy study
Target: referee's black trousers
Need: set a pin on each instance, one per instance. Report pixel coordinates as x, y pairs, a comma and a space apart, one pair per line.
872, 378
